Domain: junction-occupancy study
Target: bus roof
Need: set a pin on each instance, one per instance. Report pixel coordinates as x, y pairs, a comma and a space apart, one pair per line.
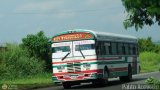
102, 35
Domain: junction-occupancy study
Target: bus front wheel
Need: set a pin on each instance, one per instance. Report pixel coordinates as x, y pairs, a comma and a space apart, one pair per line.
104, 80
105, 77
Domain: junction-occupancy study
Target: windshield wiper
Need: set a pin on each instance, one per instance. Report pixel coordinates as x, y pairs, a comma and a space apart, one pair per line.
66, 56
81, 52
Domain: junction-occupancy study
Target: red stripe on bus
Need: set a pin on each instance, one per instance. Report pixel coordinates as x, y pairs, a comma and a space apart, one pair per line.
94, 59
69, 78
86, 71
82, 77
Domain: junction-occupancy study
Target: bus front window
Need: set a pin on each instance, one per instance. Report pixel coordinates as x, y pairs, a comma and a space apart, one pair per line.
85, 47
61, 49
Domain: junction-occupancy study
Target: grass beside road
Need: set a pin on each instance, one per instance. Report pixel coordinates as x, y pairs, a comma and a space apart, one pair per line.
149, 61
36, 81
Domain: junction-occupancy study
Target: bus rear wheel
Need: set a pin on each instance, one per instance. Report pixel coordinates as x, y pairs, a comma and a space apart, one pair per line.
128, 77
66, 85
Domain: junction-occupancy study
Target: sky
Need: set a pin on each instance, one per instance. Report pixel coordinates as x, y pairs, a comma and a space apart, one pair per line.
19, 18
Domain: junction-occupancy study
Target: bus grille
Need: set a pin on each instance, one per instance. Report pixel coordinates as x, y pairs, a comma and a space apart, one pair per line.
73, 67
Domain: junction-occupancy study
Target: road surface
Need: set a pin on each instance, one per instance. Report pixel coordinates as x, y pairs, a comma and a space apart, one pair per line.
114, 84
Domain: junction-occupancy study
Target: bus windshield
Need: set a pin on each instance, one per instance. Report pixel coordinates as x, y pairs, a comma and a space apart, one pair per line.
84, 47
61, 49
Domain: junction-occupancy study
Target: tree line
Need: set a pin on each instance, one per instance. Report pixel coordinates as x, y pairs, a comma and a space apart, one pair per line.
147, 45
39, 46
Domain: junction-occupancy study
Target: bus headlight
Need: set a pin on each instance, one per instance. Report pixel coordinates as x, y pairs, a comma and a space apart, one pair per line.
60, 68
86, 65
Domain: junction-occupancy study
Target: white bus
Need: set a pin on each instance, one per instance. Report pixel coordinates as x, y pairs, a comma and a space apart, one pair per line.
87, 56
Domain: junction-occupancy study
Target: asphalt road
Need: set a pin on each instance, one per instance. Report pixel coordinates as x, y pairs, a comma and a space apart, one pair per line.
114, 84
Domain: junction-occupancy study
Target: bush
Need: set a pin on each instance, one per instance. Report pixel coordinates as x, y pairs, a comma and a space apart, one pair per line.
38, 45
149, 61
153, 82
147, 45
3, 71
17, 63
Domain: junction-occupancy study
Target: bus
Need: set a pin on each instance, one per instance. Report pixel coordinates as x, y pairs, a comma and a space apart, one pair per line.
80, 56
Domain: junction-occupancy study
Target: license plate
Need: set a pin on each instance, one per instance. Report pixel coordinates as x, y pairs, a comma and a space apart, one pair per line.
73, 77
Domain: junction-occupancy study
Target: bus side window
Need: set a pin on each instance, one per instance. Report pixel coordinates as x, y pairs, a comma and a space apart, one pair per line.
120, 51
137, 50
123, 49
129, 49
134, 50
108, 50
100, 48
114, 48
103, 49
126, 49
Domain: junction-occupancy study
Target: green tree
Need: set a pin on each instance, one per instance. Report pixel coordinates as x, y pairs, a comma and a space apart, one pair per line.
148, 45
141, 12
38, 46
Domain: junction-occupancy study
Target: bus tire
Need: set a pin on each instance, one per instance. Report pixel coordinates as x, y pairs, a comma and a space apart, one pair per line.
66, 85
128, 77
104, 80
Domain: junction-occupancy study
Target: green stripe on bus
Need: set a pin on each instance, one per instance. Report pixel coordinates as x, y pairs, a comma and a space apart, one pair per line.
121, 73
95, 75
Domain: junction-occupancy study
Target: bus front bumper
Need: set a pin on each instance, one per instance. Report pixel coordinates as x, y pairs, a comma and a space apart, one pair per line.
77, 77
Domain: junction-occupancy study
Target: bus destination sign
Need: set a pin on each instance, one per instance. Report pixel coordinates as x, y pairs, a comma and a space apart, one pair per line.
72, 36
